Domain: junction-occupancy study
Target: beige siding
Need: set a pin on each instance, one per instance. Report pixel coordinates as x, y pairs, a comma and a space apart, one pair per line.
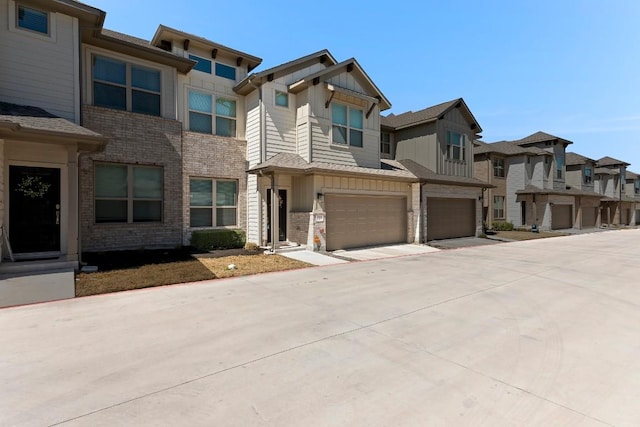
253, 129
419, 144
280, 122
253, 209
454, 121
30, 63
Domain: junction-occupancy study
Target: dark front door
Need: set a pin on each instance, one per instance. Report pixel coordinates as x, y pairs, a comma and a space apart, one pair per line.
282, 215
523, 207
34, 209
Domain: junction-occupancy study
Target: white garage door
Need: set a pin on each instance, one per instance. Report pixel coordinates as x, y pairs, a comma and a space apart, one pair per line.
357, 221
450, 218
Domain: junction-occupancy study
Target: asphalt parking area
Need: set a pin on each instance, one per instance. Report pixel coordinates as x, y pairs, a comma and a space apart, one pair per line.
541, 332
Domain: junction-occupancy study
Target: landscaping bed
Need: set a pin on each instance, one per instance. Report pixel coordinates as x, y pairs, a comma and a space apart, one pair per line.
126, 270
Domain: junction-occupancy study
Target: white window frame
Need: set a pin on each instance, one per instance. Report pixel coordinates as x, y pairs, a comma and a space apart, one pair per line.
587, 178
385, 146
275, 98
498, 165
348, 126
213, 113
636, 186
128, 86
498, 213
51, 36
214, 206
451, 147
129, 199
559, 168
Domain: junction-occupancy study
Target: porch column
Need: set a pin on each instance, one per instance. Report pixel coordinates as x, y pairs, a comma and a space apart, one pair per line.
72, 203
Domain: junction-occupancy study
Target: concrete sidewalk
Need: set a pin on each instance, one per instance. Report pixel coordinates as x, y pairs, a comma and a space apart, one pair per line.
315, 258
534, 333
387, 251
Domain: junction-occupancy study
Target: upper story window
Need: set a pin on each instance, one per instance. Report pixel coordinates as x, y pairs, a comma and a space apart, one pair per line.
347, 124
588, 178
498, 168
225, 71
636, 186
282, 99
623, 178
202, 64
498, 207
32, 19
456, 143
124, 86
385, 143
204, 118
559, 166
128, 193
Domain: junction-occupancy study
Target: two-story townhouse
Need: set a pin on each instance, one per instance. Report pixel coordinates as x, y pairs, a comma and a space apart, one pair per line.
632, 189
510, 168
214, 179
580, 172
610, 183
316, 177
436, 145
40, 133
132, 192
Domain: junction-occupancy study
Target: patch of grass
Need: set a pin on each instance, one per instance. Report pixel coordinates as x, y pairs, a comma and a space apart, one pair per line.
527, 235
126, 270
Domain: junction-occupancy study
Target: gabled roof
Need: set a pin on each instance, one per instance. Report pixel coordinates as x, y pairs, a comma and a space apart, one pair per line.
350, 66
164, 32
427, 175
631, 176
323, 56
606, 171
293, 163
572, 159
541, 137
429, 114
610, 161
508, 148
139, 48
35, 124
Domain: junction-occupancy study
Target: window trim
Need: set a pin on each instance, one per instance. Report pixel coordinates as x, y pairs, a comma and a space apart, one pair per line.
587, 179
130, 199
496, 211
348, 126
199, 59
15, 28
212, 114
498, 167
450, 146
636, 186
559, 175
275, 98
384, 143
214, 206
128, 86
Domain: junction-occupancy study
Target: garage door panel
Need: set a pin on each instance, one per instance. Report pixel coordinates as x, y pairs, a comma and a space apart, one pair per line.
561, 217
589, 217
356, 221
450, 218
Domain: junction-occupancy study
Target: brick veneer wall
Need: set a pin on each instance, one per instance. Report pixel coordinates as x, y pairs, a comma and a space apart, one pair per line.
135, 139
299, 228
212, 156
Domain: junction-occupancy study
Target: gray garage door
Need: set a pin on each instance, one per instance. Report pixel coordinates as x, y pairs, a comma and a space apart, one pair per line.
589, 216
561, 217
356, 221
450, 218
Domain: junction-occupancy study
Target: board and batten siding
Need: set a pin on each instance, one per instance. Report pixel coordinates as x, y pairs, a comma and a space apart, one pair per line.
456, 122
418, 143
37, 70
253, 128
280, 121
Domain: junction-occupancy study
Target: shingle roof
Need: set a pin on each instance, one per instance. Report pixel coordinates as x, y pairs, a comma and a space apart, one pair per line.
631, 175
295, 163
130, 39
577, 159
427, 175
411, 117
540, 137
606, 171
610, 161
34, 118
508, 148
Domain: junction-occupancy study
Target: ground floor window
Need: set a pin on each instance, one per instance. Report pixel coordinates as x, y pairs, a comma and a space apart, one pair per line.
128, 193
213, 202
498, 207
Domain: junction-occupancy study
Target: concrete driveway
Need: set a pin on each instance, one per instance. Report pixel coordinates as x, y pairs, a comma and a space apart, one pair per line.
542, 332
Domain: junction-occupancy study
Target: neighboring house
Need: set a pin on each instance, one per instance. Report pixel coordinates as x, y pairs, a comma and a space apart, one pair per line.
436, 145
616, 208
632, 189
315, 173
581, 176
534, 190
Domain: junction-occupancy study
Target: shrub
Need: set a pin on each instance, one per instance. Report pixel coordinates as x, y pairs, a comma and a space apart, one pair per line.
502, 226
206, 240
251, 246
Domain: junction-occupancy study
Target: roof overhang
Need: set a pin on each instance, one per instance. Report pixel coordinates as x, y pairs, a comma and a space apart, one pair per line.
86, 143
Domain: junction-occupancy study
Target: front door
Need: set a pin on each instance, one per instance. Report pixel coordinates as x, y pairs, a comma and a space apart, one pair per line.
34, 209
282, 215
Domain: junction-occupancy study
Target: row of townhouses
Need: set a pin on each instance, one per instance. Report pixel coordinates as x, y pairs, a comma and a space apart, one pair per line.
110, 142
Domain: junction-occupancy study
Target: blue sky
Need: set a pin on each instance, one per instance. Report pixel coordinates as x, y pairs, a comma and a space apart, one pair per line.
567, 67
